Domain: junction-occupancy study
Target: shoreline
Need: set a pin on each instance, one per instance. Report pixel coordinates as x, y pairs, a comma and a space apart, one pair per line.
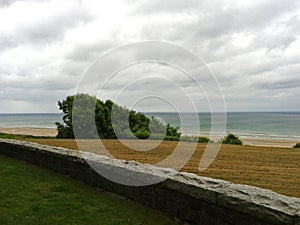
52, 132
284, 143
34, 131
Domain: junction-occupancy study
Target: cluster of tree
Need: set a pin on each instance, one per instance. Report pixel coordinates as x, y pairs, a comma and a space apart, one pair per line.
112, 121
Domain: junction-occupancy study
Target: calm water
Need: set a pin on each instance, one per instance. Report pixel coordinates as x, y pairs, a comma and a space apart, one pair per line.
275, 125
45, 120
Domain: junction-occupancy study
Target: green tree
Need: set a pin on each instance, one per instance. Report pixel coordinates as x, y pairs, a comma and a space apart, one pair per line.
65, 130
232, 139
112, 121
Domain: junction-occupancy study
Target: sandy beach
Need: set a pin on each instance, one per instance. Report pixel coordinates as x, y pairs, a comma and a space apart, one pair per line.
285, 143
264, 142
34, 131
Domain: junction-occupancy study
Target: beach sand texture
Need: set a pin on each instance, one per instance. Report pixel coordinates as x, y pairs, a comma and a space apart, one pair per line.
34, 131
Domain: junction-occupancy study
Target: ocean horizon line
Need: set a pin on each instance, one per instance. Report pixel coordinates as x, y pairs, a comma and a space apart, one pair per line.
188, 112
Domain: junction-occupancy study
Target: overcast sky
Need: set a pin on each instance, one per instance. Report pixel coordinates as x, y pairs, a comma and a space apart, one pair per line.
252, 47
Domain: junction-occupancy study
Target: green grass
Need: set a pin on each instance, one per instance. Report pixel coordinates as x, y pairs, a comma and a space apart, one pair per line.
32, 195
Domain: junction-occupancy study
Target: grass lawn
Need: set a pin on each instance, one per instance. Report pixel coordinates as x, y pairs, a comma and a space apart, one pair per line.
32, 195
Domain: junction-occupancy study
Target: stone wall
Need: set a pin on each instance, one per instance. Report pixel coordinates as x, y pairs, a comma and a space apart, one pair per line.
186, 197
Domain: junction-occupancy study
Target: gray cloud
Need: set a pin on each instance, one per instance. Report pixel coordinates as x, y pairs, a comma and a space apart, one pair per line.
89, 52
44, 29
7, 3
252, 47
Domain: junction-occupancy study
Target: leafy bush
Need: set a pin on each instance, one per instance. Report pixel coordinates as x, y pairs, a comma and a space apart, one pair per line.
188, 138
89, 109
232, 139
142, 134
297, 145
203, 140
171, 138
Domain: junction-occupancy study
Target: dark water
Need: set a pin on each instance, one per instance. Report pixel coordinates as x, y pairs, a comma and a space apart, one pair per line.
277, 125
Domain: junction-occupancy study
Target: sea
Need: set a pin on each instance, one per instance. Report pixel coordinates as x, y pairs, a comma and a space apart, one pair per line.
258, 125
30, 120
